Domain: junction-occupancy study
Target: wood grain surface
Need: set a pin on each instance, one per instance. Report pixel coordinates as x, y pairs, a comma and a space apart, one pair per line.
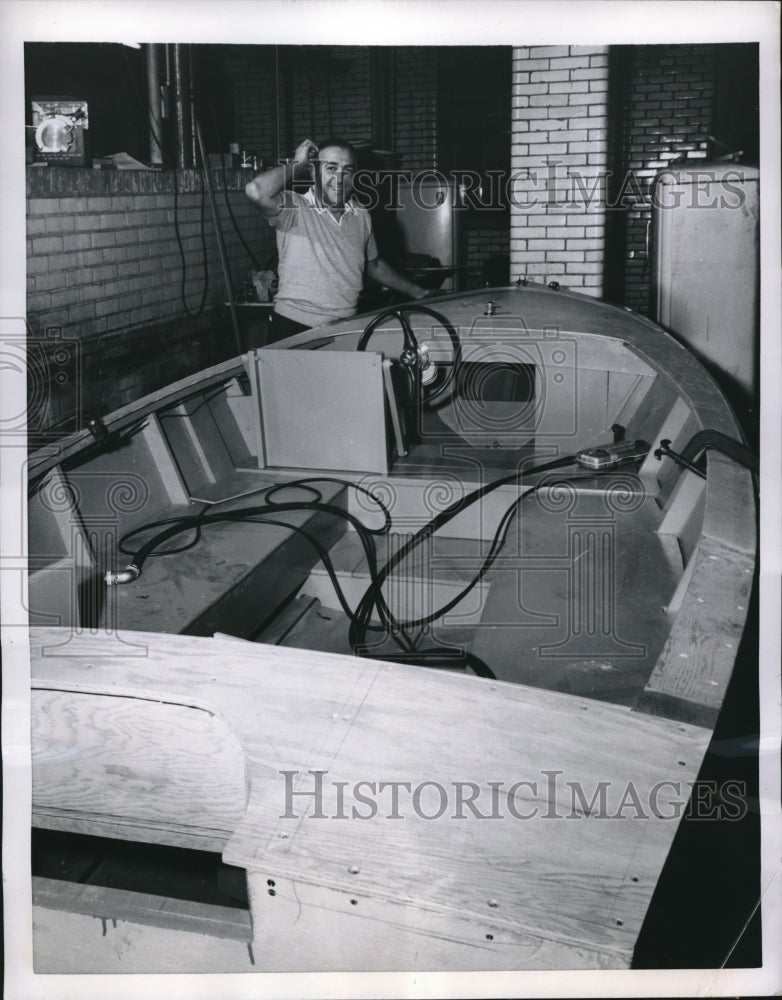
134, 763
568, 882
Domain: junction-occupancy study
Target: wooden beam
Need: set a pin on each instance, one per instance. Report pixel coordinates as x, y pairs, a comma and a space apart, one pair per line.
144, 908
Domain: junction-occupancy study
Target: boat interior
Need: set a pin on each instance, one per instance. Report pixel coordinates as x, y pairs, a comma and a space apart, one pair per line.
301, 496
521, 501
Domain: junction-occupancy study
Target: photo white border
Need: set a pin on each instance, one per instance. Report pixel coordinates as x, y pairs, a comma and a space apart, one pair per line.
387, 22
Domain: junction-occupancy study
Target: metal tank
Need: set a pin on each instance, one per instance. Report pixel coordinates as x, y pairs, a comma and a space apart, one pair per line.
705, 271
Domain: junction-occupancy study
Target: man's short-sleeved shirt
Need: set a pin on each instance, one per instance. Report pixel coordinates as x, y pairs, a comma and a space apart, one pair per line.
322, 259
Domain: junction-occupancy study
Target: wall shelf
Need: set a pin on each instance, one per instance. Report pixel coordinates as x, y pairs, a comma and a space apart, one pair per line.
58, 182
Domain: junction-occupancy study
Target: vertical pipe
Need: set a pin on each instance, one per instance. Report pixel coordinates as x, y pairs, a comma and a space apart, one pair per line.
220, 242
276, 119
191, 78
182, 102
155, 110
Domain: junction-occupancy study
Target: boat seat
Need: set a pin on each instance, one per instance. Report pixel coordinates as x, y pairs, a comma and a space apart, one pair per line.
233, 581
121, 765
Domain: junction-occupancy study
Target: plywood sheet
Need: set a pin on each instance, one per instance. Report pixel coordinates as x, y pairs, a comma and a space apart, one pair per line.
323, 411
90, 929
234, 578
570, 875
140, 762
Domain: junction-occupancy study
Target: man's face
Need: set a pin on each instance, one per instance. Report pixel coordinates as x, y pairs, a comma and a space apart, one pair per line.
335, 171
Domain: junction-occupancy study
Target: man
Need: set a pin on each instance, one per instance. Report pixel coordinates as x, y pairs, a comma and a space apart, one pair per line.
324, 239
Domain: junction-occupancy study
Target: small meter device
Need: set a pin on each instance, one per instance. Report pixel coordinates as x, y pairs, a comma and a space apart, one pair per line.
610, 455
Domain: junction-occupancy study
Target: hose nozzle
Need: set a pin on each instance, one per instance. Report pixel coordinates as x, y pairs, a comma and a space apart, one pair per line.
127, 575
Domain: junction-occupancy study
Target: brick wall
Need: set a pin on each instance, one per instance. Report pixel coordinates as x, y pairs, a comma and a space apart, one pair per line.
414, 107
105, 268
327, 93
298, 92
315, 91
251, 72
668, 106
486, 252
105, 272
558, 163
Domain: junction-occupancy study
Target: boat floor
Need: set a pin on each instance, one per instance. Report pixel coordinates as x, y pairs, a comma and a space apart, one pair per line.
589, 622
574, 602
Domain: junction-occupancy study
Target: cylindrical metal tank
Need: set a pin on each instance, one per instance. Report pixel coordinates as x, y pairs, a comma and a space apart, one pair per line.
428, 219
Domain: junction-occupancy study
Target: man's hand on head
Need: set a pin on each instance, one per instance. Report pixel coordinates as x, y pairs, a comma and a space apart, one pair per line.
306, 153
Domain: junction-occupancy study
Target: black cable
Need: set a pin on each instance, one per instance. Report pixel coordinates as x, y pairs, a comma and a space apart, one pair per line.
441, 658
498, 541
328, 565
430, 657
220, 138
234, 223
205, 259
176, 526
363, 612
373, 598
305, 483
383, 610
270, 491
324, 557
158, 524
299, 484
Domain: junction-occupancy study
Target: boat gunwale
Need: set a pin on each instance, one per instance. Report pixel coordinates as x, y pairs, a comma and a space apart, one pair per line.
669, 359
62, 449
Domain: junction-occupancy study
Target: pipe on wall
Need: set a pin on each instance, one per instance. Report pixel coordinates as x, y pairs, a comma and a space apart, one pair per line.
155, 104
182, 105
191, 99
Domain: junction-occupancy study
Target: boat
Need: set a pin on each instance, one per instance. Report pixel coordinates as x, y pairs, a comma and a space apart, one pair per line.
420, 622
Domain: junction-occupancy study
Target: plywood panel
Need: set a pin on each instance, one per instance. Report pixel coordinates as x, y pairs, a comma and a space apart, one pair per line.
350, 931
541, 869
559, 877
579, 607
137, 761
698, 658
88, 929
127, 416
232, 580
323, 411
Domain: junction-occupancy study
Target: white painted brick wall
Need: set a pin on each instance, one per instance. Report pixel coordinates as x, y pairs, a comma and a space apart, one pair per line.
558, 160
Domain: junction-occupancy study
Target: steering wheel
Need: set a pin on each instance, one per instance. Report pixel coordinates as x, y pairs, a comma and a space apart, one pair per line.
433, 379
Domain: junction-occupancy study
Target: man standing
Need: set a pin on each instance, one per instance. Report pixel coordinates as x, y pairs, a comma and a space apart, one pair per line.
324, 239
